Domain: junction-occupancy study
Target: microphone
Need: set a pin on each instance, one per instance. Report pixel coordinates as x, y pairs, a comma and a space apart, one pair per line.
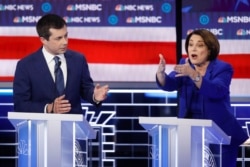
59, 63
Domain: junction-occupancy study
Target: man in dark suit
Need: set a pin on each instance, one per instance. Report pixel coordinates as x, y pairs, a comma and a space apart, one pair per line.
34, 85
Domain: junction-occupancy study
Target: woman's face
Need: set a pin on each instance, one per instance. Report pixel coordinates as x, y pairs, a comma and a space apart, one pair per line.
197, 50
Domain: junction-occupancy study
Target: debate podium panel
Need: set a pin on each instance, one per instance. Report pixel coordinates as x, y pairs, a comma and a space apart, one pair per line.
184, 142
46, 140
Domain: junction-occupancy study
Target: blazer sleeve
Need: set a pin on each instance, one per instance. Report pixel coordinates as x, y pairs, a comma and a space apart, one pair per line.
216, 84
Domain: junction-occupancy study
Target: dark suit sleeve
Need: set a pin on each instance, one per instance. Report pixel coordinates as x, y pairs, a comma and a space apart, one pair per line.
79, 86
22, 91
87, 84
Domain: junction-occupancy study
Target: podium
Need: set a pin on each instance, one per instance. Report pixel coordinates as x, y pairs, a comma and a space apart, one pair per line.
184, 142
46, 140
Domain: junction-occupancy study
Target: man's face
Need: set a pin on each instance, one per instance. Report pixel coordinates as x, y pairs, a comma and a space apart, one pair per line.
58, 41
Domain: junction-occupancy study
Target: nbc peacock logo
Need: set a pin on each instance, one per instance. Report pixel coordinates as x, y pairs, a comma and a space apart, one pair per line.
241, 32
17, 20
70, 8
209, 159
189, 31
222, 20
67, 19
130, 20
119, 7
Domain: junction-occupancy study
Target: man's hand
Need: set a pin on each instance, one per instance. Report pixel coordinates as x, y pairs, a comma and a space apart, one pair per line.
61, 105
100, 92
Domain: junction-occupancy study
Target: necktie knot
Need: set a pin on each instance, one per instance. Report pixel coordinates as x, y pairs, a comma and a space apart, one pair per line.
57, 63
56, 58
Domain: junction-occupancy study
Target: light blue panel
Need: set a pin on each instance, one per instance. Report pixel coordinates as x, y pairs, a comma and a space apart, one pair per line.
27, 142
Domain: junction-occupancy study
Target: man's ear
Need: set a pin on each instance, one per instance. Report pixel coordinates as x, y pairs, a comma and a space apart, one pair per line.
42, 39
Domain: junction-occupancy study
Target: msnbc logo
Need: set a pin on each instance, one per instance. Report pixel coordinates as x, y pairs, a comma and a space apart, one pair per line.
144, 19
234, 19
84, 7
26, 19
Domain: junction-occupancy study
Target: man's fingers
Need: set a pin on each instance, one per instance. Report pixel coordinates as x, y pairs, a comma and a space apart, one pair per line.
97, 85
61, 97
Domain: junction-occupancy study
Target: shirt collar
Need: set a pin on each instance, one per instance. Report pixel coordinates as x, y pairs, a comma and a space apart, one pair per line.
49, 57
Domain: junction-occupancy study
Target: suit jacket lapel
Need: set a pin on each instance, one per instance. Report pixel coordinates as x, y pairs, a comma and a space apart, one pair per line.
69, 69
42, 69
210, 70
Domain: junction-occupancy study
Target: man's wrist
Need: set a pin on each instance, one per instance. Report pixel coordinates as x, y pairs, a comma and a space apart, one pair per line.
49, 108
96, 101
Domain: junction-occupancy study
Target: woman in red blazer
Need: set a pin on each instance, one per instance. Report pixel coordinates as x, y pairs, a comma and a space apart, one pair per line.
203, 83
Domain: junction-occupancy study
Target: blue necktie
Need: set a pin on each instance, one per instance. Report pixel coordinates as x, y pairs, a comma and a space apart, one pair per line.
59, 76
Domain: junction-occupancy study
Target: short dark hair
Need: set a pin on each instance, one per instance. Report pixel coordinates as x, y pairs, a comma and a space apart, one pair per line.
49, 21
210, 41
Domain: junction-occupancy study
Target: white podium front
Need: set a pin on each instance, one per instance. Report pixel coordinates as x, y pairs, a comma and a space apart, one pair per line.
51, 140
184, 142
